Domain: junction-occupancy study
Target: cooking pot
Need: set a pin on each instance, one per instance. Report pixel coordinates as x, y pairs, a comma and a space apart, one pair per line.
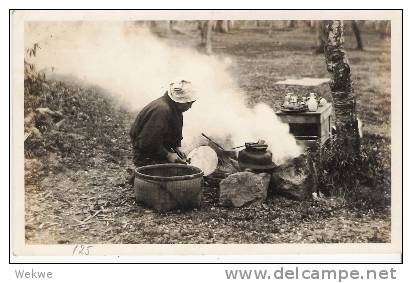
256, 157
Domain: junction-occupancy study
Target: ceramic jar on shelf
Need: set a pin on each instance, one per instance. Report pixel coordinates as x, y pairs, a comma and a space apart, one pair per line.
312, 103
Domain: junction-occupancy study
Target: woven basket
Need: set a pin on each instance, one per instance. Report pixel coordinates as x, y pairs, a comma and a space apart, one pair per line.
165, 187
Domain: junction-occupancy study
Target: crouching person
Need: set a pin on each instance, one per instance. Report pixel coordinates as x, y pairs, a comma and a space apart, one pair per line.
156, 134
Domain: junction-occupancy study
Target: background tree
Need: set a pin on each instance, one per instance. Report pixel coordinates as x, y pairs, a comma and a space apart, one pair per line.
344, 100
383, 28
171, 26
205, 36
230, 25
222, 26
357, 33
291, 24
321, 36
341, 162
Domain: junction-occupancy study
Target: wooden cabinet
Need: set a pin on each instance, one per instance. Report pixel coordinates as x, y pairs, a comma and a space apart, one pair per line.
309, 128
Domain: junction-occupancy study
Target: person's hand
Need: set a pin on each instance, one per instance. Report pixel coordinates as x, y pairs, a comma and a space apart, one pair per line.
180, 152
174, 158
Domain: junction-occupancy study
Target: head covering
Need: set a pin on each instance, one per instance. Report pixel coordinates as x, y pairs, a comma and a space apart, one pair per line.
181, 92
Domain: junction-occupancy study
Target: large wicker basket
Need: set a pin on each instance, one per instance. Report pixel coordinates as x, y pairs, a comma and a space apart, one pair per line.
166, 187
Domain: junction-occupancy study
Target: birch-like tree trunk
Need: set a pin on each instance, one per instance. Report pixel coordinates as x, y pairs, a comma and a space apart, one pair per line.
321, 36
344, 100
205, 36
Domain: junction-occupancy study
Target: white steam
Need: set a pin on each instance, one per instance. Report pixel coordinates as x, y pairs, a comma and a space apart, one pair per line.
136, 67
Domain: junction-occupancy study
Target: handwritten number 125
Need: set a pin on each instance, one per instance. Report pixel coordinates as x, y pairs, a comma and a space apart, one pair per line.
81, 250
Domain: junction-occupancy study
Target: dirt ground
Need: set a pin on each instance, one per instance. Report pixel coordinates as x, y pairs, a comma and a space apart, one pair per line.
76, 189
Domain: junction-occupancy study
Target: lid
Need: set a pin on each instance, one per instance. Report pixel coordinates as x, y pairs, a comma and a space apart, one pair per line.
256, 146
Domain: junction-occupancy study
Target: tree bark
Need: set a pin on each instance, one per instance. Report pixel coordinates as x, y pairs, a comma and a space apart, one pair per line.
344, 100
205, 36
357, 33
321, 35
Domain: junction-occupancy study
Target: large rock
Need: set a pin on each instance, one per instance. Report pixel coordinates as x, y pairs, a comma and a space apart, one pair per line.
243, 188
296, 179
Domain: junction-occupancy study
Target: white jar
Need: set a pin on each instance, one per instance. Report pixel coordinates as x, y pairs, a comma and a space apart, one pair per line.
312, 103
286, 100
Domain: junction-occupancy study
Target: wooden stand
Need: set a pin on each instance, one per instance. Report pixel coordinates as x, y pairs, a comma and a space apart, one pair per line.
311, 129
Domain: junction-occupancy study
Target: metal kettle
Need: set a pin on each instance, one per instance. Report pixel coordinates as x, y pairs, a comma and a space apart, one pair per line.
255, 156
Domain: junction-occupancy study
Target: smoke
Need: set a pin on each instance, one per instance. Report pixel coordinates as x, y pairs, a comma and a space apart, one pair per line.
136, 67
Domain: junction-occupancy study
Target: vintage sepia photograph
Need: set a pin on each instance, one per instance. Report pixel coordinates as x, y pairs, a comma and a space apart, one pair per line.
209, 129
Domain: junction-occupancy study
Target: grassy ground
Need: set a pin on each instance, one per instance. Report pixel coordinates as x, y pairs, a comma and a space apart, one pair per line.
78, 170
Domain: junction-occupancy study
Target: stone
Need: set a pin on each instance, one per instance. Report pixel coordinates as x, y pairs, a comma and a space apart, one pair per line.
293, 179
47, 111
243, 188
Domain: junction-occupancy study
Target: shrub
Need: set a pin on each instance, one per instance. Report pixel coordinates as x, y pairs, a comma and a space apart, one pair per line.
362, 179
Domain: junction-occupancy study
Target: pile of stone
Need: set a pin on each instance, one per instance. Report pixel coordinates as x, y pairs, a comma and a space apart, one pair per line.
292, 179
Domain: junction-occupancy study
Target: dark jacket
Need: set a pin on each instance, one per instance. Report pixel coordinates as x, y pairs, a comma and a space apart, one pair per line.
158, 124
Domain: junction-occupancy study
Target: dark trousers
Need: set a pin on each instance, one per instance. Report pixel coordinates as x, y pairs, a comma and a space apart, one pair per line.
140, 159
138, 162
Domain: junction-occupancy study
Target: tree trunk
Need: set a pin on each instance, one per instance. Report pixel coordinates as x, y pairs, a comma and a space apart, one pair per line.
222, 26
311, 24
230, 25
321, 36
152, 24
205, 36
344, 101
383, 28
171, 25
388, 28
270, 27
357, 33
